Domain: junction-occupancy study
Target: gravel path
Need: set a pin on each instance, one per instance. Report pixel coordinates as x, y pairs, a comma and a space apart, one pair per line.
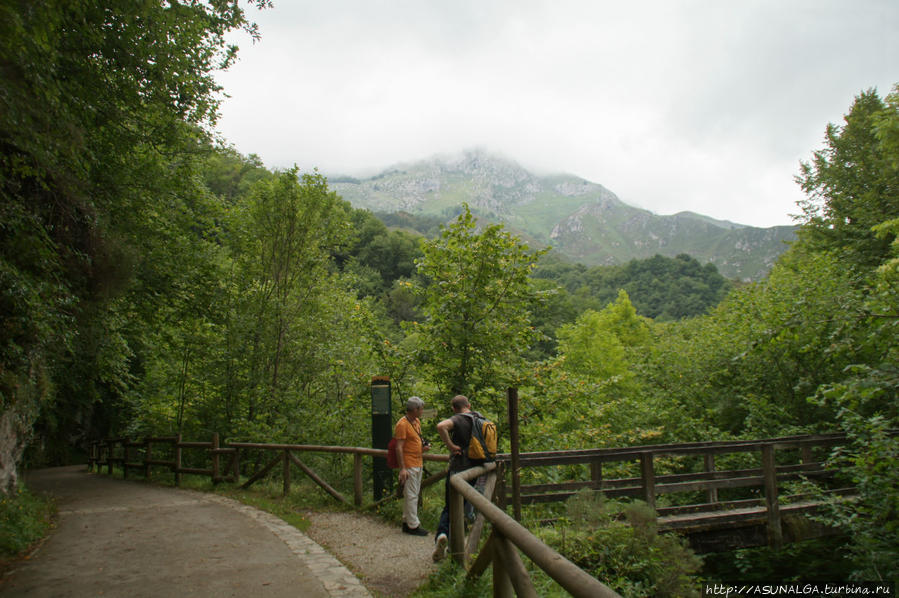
116, 537
120, 538
390, 563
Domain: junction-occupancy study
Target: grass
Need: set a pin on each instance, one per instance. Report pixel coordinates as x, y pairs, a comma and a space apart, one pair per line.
25, 518
450, 581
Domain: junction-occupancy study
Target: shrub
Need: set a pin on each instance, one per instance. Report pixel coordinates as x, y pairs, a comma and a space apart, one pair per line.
619, 544
24, 519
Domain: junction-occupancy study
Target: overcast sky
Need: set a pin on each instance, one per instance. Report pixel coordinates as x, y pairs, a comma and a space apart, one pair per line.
702, 105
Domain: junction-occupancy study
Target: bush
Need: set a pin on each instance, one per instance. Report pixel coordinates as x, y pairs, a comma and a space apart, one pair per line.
619, 544
24, 519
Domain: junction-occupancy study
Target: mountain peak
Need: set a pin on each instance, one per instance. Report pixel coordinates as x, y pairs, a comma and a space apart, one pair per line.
579, 218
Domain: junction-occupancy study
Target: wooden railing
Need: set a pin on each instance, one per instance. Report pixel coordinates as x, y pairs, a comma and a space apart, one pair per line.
142, 455
777, 460
507, 537
688, 469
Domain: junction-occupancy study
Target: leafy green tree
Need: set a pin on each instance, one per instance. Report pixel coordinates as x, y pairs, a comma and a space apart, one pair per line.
750, 366
852, 184
286, 289
96, 133
555, 308
866, 398
660, 287
589, 394
595, 345
477, 325
230, 175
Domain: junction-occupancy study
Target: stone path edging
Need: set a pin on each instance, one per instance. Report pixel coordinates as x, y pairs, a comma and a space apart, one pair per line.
336, 578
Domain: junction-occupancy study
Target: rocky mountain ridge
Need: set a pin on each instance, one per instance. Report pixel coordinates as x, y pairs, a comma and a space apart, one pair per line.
580, 219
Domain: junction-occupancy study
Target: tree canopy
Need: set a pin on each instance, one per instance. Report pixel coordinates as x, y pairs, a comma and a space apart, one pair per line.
477, 324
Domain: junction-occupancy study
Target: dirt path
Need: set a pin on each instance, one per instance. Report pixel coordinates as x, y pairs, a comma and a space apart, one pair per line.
390, 563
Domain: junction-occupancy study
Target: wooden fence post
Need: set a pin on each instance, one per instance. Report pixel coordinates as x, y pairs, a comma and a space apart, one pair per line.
235, 466
286, 488
516, 463
516, 573
502, 585
110, 452
769, 472
126, 456
357, 479
596, 474
148, 455
216, 476
647, 475
500, 485
178, 459
711, 493
457, 524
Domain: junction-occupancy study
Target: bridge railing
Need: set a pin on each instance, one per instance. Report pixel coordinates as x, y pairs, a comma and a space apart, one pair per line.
776, 461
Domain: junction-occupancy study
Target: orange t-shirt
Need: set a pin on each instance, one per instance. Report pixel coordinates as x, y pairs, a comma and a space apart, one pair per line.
411, 436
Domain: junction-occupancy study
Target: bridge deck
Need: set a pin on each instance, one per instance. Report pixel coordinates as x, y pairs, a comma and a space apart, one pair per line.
695, 522
744, 527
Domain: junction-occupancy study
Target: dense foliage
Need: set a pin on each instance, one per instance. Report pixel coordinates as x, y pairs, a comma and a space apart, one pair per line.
619, 543
25, 518
154, 282
105, 109
661, 288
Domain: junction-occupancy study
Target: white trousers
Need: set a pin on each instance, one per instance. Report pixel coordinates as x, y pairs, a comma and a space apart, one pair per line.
411, 489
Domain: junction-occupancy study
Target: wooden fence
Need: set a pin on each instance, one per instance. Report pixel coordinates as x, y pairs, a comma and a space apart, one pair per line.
688, 470
501, 546
224, 461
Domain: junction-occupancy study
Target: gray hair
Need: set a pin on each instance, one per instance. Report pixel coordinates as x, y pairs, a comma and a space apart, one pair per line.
414, 403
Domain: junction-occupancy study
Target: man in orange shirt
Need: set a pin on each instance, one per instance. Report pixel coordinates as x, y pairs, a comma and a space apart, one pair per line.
409, 451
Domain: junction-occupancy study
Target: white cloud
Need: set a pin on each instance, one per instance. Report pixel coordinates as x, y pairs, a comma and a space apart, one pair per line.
689, 105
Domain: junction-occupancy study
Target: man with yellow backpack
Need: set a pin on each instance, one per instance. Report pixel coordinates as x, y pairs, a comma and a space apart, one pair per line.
471, 440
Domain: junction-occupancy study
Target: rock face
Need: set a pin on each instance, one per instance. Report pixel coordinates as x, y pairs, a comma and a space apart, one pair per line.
578, 218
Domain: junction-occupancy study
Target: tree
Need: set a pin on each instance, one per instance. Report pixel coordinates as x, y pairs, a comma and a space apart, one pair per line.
476, 297
865, 399
660, 287
595, 345
103, 104
853, 184
287, 292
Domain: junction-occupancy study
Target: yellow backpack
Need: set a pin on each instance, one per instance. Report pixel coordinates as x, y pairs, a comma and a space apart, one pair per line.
482, 446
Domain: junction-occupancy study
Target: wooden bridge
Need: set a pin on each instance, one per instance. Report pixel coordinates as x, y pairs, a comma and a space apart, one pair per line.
721, 495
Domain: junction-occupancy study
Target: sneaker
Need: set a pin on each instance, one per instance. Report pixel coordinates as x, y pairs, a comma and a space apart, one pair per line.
439, 548
414, 531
